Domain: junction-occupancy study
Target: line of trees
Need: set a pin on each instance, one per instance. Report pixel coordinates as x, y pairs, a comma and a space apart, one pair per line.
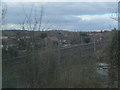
114, 52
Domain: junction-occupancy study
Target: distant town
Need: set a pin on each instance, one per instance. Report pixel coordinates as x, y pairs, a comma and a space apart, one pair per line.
21, 41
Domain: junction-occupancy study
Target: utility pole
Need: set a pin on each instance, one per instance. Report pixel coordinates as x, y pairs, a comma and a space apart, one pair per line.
110, 27
118, 43
81, 39
58, 52
101, 36
59, 42
94, 43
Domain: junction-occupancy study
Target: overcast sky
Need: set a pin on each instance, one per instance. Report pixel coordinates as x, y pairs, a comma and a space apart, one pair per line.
75, 16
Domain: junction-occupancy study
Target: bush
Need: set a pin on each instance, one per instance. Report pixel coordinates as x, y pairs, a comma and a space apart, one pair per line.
114, 53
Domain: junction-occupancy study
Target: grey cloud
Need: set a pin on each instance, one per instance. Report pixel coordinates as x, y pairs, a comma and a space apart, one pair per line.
62, 14
80, 8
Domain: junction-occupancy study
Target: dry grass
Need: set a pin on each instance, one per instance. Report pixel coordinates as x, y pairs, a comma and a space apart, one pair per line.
43, 71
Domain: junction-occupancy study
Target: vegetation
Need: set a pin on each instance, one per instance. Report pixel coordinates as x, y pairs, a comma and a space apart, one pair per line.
43, 72
114, 53
43, 35
36, 62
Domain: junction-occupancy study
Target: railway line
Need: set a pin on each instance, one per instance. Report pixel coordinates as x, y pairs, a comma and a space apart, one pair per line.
82, 49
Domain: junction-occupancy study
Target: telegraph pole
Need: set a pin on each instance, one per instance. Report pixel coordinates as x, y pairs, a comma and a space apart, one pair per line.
118, 45
81, 39
94, 43
58, 52
59, 42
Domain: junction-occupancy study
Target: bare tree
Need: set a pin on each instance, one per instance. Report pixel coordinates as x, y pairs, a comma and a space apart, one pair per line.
3, 12
33, 22
114, 49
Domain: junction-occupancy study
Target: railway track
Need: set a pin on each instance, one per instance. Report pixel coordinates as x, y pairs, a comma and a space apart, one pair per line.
83, 49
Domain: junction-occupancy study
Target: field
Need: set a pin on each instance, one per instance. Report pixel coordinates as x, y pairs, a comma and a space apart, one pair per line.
74, 68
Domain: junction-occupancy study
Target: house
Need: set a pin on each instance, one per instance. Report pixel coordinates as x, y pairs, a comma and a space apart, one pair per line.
97, 35
3, 37
8, 43
53, 38
61, 40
